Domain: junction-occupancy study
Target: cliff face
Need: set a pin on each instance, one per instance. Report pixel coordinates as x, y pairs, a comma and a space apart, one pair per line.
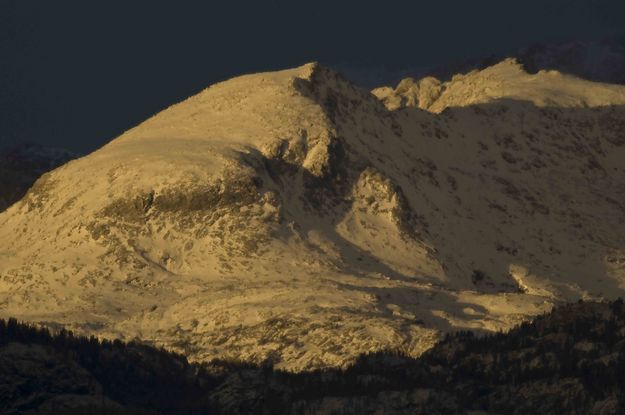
293, 217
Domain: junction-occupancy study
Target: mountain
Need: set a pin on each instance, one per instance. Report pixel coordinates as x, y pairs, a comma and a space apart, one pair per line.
567, 361
293, 218
504, 80
600, 60
21, 165
594, 60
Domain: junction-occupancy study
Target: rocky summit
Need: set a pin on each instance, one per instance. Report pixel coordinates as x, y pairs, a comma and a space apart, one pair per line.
294, 218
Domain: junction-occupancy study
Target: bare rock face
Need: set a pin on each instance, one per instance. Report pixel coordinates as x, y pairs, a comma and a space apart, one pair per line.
410, 93
292, 217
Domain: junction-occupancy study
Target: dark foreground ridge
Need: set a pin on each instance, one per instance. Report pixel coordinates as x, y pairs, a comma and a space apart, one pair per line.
570, 361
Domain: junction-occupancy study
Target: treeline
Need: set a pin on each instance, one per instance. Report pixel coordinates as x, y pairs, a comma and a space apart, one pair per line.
132, 374
571, 360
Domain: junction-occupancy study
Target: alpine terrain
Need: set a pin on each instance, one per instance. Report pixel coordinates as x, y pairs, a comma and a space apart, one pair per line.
293, 218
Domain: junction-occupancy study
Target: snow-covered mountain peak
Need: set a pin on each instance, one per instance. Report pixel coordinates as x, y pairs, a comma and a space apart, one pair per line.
291, 216
505, 80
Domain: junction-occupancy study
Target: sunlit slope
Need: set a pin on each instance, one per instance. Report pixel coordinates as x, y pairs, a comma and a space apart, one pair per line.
505, 80
291, 216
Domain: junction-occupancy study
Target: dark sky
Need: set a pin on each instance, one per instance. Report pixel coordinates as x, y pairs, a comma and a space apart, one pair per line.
76, 74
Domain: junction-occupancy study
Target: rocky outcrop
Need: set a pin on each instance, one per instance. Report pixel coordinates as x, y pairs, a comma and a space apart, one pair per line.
505, 80
410, 93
